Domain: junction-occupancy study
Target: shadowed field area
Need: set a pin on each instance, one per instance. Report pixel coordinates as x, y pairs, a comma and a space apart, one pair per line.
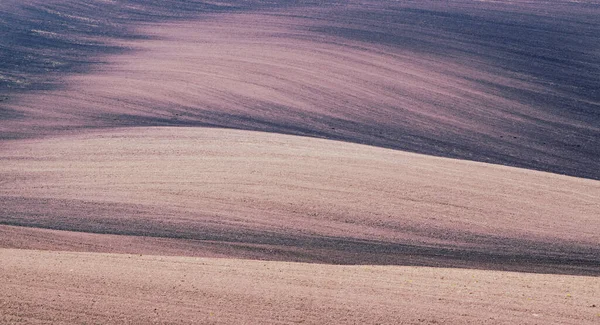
293, 198
412, 153
496, 82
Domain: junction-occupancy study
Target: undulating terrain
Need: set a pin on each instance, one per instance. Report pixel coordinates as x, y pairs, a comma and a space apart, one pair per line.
373, 161
75, 288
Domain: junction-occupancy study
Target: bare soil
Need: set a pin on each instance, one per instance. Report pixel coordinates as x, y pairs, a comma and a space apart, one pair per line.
300, 199
64, 288
254, 162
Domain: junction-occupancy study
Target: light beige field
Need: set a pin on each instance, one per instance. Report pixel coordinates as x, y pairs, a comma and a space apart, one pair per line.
203, 164
67, 288
253, 194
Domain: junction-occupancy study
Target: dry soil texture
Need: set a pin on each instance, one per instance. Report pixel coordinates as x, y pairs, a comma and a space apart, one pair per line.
236, 140
507, 82
293, 198
75, 288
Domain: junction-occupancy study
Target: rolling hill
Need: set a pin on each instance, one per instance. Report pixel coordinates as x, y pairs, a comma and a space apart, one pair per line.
300, 161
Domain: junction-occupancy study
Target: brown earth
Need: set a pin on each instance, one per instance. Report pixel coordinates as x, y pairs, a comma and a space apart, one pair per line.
129, 127
66, 288
510, 83
302, 199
